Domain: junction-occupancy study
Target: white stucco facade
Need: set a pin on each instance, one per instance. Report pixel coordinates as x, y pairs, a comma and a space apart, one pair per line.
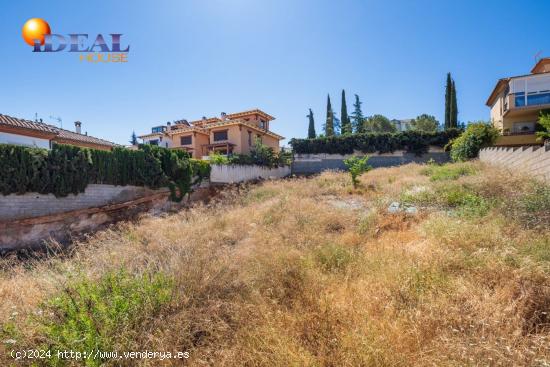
29, 141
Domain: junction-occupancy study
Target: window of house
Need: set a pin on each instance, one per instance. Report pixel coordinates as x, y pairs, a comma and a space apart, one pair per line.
250, 138
154, 142
220, 135
186, 140
523, 127
520, 99
538, 98
262, 124
158, 129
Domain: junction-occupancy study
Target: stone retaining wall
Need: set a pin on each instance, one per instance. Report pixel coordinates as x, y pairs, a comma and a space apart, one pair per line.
63, 226
34, 205
315, 163
531, 160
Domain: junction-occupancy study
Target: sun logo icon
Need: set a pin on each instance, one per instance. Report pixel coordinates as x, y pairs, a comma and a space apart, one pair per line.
35, 29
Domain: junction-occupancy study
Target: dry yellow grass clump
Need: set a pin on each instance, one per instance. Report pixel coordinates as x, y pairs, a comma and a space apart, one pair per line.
308, 272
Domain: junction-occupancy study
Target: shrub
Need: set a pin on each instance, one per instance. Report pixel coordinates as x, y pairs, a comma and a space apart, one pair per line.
98, 315
412, 141
357, 166
261, 155
532, 206
476, 136
544, 121
448, 171
333, 257
217, 158
462, 199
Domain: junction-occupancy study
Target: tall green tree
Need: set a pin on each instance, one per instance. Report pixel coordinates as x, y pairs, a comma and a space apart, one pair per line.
311, 129
425, 123
454, 106
357, 116
379, 124
329, 125
346, 123
133, 139
448, 96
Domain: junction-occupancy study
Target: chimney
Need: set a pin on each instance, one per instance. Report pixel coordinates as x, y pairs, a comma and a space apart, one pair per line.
224, 116
77, 126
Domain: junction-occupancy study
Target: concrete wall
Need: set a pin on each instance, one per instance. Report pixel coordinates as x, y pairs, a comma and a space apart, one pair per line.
238, 173
315, 163
35, 205
534, 161
29, 141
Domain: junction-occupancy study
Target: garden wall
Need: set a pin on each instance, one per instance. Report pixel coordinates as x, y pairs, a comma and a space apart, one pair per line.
35, 205
28, 220
315, 163
241, 173
531, 160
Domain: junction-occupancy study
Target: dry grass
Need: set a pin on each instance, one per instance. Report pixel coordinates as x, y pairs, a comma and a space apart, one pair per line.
289, 273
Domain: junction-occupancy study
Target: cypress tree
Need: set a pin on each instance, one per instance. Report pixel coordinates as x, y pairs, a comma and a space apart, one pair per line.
346, 124
454, 107
133, 138
329, 126
358, 118
448, 93
311, 130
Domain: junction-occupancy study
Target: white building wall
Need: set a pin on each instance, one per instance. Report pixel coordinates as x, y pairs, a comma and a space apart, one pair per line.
7, 138
241, 173
165, 143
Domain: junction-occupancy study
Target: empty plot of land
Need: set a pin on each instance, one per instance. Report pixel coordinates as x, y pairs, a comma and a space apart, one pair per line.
308, 272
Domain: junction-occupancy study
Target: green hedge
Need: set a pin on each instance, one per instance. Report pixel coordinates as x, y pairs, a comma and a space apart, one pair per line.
67, 169
411, 141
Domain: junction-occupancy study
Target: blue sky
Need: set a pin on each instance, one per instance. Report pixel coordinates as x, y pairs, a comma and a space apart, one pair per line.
191, 58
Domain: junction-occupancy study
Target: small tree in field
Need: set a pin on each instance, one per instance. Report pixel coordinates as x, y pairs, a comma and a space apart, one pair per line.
357, 166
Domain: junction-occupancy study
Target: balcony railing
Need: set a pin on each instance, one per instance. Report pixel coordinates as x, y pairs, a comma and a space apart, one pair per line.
511, 133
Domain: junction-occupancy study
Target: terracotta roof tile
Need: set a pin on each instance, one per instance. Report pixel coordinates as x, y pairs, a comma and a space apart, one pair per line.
250, 112
59, 133
25, 124
69, 135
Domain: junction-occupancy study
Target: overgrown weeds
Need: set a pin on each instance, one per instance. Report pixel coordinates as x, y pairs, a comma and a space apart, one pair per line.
277, 275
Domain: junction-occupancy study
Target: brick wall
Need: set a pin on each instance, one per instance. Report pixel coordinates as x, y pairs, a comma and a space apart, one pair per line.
534, 161
35, 205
